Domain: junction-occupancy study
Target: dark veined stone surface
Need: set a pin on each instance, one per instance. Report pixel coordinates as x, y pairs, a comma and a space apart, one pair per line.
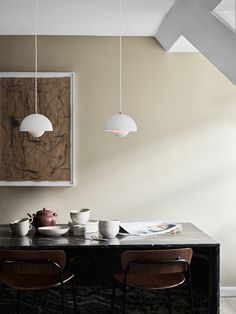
97, 300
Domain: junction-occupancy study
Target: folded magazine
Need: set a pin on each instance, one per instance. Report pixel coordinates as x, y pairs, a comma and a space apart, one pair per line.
143, 228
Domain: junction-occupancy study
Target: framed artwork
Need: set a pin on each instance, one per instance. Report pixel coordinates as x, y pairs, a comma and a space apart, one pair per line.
47, 160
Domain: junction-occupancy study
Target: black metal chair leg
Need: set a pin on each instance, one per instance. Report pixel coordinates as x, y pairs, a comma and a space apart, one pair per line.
18, 302
124, 299
113, 298
169, 301
62, 300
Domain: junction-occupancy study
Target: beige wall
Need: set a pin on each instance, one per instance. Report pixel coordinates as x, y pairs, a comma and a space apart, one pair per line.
180, 166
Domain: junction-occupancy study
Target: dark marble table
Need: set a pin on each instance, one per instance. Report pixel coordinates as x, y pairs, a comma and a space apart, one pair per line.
205, 263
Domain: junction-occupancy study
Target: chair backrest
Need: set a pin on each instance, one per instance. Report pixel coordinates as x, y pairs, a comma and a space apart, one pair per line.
31, 262
157, 261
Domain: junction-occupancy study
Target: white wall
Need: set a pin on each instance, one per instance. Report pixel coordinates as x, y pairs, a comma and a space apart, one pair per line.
181, 164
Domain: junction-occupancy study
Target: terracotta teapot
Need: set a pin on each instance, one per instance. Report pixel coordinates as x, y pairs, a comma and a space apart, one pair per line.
44, 217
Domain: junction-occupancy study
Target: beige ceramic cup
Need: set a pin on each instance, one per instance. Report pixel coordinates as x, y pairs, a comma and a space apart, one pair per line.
20, 227
109, 228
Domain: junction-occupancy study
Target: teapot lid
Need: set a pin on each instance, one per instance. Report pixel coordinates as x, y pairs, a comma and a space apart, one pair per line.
45, 211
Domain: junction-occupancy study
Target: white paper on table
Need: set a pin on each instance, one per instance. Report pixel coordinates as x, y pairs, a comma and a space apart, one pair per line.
143, 228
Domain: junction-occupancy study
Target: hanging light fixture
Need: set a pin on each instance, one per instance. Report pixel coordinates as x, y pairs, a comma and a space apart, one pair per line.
36, 124
120, 124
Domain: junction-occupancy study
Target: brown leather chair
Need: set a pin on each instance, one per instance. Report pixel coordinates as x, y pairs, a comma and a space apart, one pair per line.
35, 270
154, 270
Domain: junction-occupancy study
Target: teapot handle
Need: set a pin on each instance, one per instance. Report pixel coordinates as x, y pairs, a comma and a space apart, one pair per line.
31, 217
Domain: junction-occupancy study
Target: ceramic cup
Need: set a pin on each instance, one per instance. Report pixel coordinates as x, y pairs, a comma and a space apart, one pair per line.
21, 227
80, 216
109, 228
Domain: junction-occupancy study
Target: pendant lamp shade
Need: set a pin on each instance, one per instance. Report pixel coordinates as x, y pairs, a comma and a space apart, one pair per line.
36, 124
120, 125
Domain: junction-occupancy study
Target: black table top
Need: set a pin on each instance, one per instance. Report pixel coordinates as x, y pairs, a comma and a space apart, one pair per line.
190, 237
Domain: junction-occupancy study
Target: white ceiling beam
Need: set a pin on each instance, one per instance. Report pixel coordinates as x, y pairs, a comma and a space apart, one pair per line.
226, 13
194, 20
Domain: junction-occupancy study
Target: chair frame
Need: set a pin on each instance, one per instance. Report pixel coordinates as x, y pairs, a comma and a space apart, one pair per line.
42, 262
142, 261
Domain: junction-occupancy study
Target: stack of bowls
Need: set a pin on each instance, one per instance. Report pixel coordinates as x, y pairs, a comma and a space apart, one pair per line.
79, 218
80, 222
78, 230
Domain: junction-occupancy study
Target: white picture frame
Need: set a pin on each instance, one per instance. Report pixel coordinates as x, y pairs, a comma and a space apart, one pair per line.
71, 75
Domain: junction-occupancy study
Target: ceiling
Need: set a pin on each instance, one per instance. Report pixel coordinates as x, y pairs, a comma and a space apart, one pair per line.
82, 17
226, 13
196, 21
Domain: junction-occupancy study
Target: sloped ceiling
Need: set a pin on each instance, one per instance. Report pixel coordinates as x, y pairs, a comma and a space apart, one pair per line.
207, 26
226, 13
194, 21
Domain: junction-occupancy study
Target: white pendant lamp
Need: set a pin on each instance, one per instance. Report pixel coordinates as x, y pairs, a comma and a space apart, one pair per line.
36, 124
120, 124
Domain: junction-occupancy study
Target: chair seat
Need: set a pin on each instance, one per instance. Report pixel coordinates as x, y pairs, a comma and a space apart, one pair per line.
149, 281
34, 282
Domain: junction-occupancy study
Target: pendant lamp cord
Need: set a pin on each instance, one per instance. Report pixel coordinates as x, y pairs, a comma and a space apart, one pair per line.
36, 58
120, 42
